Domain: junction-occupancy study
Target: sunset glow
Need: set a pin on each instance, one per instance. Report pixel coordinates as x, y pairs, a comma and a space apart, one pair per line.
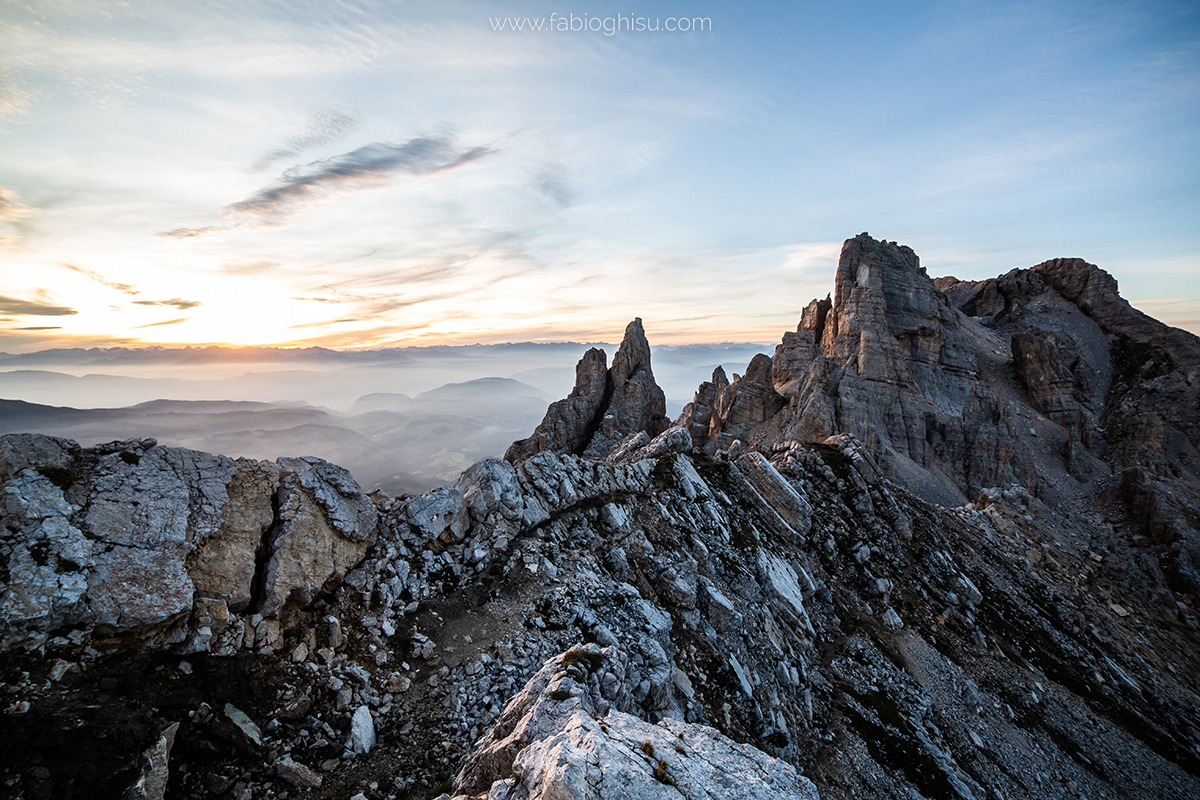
360, 175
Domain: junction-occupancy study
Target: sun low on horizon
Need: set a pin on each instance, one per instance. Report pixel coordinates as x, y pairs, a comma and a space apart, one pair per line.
368, 175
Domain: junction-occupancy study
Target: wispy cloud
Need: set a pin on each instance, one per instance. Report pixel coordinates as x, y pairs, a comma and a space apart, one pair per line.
365, 167
98, 278
11, 212
554, 184
10, 209
190, 233
33, 308
164, 322
322, 127
249, 267
177, 302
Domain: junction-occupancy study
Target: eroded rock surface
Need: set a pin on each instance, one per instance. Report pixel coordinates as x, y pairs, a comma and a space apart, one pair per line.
131, 544
565, 735
605, 407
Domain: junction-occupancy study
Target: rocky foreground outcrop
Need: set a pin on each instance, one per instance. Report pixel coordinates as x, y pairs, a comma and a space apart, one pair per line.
167, 547
793, 601
704, 610
567, 735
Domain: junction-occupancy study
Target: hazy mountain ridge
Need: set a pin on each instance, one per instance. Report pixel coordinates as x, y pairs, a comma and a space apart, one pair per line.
335, 379
405, 447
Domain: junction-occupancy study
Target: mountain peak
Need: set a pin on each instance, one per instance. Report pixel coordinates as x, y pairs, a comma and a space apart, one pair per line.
605, 406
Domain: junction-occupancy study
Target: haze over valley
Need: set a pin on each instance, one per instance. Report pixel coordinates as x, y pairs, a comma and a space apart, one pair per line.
401, 420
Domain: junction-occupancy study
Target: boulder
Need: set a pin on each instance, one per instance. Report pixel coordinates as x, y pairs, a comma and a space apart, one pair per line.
565, 736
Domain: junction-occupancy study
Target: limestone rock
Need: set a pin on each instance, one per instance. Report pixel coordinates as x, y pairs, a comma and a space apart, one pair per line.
55, 456
140, 545
152, 783
440, 513
697, 415
565, 736
605, 406
310, 551
362, 730
892, 362
296, 773
780, 495
620, 756
47, 560
1049, 384
569, 423
742, 405
637, 403
795, 353
224, 563
640, 446
490, 487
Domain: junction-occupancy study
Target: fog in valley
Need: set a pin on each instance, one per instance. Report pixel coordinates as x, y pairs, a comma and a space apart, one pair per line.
401, 420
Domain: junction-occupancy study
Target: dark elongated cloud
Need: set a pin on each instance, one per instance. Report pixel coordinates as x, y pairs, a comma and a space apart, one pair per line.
554, 184
364, 167
33, 308
177, 302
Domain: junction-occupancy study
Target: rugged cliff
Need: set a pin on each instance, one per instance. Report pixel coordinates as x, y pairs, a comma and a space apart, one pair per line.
748, 604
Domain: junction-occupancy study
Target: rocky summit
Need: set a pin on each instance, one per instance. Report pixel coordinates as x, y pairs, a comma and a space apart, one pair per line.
943, 543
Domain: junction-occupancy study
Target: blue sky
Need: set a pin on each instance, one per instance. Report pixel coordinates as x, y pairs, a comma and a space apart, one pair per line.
357, 174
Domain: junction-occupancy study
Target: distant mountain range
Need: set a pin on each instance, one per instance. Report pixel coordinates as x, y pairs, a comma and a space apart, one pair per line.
120, 377
389, 441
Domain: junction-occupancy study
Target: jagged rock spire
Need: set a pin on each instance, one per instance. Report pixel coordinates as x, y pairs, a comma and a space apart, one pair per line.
605, 407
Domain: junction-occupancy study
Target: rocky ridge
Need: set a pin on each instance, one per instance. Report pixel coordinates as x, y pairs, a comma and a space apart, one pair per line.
685, 611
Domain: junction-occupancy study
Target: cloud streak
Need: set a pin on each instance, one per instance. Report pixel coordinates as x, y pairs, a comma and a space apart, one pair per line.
10, 209
32, 308
365, 167
98, 278
164, 322
176, 302
190, 233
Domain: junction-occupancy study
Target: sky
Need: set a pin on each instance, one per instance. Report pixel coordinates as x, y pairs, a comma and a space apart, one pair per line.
360, 173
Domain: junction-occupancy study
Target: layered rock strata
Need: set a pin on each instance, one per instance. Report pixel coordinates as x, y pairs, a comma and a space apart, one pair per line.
794, 601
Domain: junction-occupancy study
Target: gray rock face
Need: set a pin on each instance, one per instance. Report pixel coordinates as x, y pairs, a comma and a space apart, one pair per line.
794, 600
570, 423
740, 406
697, 415
564, 736
605, 407
1050, 385
946, 383
362, 730
152, 783
310, 550
135, 544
